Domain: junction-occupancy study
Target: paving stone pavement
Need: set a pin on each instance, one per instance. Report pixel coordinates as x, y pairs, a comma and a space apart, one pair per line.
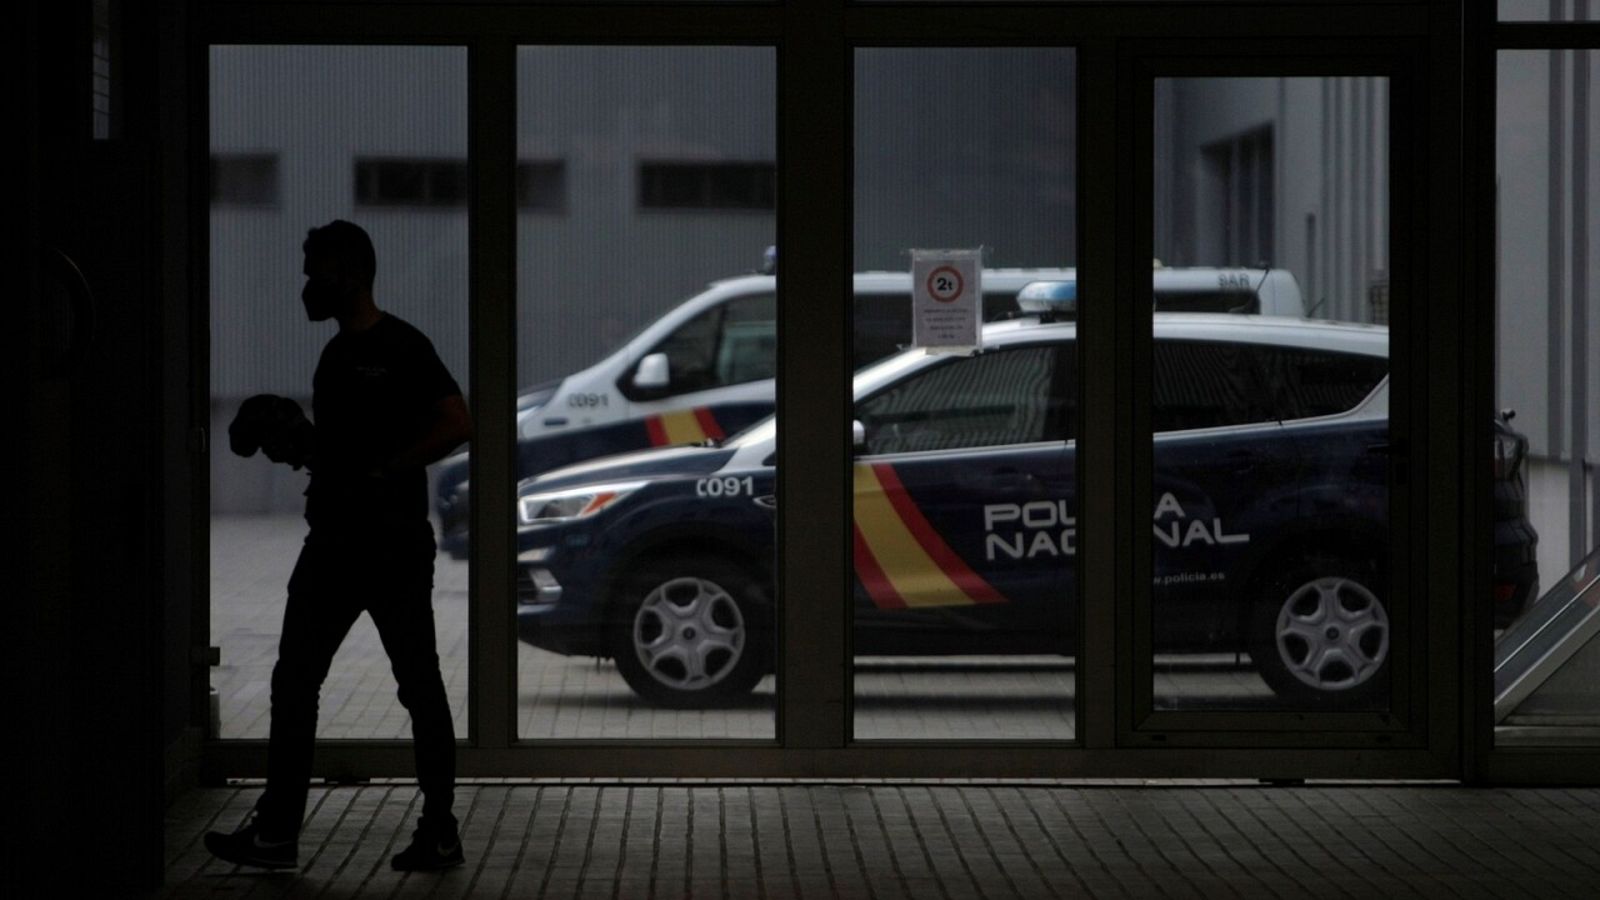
924, 840
1007, 698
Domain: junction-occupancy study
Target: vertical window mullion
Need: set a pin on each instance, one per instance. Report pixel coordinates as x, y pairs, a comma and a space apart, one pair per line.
1104, 370
814, 376
491, 160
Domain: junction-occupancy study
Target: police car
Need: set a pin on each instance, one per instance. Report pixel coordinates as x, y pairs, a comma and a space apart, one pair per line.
1269, 522
1269, 527
704, 370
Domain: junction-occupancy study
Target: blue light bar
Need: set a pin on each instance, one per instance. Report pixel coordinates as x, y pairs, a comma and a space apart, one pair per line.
1049, 297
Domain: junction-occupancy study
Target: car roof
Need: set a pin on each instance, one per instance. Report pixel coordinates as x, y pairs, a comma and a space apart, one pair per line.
899, 282
1319, 334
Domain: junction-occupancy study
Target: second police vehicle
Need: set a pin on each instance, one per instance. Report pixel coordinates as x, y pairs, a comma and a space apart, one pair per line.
704, 369
1270, 524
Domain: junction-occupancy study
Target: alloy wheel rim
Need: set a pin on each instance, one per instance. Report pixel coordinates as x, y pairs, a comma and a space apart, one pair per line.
688, 633
1332, 634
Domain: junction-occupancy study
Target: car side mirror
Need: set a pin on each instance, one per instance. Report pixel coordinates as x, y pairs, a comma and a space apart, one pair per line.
858, 436
653, 373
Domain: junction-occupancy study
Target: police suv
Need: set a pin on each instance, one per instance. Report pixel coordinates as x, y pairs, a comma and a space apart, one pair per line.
1269, 529
704, 370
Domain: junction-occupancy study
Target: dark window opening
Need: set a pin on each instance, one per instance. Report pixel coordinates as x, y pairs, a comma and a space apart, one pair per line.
245, 179
1240, 170
411, 182
542, 185
718, 185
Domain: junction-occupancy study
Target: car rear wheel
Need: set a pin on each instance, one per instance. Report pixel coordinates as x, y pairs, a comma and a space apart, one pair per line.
1321, 635
688, 632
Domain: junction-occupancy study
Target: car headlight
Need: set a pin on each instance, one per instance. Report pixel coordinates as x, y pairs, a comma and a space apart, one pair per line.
575, 503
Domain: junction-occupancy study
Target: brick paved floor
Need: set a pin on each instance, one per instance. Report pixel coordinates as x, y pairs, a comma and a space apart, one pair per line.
885, 841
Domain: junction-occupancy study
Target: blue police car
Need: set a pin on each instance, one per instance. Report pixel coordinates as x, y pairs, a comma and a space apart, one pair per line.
1270, 525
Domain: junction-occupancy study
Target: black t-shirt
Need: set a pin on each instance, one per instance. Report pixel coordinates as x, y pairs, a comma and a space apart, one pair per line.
373, 395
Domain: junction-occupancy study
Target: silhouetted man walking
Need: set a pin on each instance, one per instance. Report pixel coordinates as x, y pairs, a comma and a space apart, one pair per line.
383, 407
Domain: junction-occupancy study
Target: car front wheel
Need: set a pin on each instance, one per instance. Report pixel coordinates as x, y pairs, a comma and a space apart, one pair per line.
688, 632
1322, 635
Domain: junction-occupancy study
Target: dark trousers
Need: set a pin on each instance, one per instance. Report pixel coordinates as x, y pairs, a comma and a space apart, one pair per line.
333, 582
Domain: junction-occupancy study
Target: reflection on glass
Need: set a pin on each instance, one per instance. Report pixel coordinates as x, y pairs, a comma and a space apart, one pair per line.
289, 128
645, 601
1269, 395
1546, 506
964, 525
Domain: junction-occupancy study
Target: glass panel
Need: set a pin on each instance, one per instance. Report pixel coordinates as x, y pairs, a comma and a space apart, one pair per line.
1546, 506
1545, 11
104, 52
965, 598
288, 125
645, 586
1270, 394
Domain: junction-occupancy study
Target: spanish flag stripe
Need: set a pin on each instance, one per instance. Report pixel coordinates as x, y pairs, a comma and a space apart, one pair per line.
658, 434
708, 424
916, 578
878, 586
952, 565
682, 427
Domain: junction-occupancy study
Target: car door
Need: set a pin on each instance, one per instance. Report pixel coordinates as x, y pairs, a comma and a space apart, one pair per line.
965, 526
720, 368
1224, 465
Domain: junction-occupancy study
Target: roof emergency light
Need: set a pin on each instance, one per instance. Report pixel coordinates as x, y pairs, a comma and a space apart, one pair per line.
1056, 299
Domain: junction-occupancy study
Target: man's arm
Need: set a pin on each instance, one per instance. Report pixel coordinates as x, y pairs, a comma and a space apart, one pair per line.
449, 428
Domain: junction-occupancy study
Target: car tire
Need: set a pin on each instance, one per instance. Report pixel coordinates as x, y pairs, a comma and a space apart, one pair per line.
1321, 636
690, 632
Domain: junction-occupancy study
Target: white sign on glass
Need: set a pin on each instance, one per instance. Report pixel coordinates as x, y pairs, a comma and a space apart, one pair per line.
947, 300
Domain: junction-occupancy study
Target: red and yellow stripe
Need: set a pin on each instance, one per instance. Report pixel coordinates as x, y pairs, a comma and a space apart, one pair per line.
899, 557
683, 426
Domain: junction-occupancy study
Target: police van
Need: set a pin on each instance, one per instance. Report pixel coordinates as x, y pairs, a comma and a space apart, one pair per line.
704, 370
1269, 527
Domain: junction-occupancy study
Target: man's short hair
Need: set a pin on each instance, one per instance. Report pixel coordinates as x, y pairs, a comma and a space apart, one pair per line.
347, 243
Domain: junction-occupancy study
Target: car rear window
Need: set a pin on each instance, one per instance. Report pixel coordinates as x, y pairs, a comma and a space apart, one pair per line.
1310, 382
1212, 384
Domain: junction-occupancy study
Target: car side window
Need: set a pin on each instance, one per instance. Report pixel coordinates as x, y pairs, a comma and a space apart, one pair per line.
1308, 382
748, 350
1206, 384
1014, 396
733, 343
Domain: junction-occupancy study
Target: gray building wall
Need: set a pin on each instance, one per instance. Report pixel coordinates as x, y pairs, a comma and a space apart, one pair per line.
1330, 209
962, 148
1549, 314
955, 148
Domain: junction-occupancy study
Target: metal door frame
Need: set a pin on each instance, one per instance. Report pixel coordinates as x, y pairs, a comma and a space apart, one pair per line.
1486, 38
814, 42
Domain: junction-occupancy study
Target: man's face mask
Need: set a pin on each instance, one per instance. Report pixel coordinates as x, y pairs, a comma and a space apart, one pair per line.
325, 294
322, 298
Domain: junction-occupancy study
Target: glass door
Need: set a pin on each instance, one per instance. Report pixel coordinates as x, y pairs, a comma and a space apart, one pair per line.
1275, 601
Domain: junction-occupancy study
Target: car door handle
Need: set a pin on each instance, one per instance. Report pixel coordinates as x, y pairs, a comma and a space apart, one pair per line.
1009, 479
1242, 460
